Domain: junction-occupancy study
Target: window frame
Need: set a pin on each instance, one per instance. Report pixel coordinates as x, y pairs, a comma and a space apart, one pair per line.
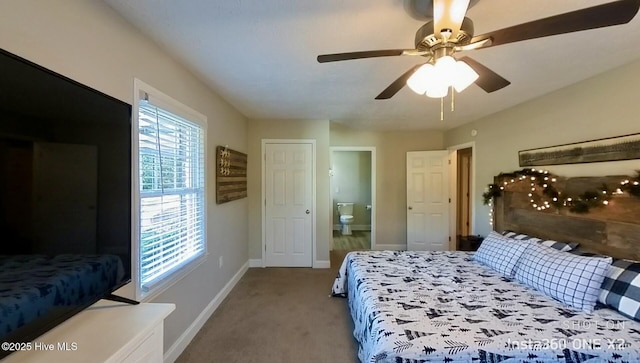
171, 105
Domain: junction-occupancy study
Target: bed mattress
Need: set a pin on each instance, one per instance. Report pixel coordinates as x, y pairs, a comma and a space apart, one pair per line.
445, 307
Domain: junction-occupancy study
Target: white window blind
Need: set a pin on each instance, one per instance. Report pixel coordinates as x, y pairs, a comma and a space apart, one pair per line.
172, 192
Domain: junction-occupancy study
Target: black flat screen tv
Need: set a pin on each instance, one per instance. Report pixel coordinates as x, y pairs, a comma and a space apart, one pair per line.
65, 198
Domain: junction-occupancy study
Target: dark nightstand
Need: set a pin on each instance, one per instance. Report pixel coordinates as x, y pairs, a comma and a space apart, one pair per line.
469, 243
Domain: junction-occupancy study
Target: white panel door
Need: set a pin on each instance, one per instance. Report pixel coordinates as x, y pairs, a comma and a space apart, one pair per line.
427, 200
288, 205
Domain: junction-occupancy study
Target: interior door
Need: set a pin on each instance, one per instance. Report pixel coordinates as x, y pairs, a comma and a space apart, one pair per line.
427, 200
288, 204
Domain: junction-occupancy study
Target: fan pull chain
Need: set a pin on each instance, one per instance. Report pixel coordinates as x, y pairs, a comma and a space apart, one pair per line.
453, 104
453, 97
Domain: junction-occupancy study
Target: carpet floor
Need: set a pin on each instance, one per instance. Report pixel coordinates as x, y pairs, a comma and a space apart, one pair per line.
278, 315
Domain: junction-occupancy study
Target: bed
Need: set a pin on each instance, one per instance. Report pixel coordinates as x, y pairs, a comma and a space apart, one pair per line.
33, 285
447, 307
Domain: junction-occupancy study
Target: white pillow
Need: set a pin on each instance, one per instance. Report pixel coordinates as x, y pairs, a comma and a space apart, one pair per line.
500, 253
571, 279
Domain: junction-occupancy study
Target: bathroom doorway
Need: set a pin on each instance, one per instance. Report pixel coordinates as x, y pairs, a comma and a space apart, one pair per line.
353, 174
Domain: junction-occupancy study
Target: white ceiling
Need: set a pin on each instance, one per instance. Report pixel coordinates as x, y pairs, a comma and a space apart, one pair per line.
260, 55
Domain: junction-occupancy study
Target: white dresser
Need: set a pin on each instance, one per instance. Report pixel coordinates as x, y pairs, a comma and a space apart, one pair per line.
105, 332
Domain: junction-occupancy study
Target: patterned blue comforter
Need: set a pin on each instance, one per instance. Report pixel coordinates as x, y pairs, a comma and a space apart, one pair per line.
33, 285
444, 307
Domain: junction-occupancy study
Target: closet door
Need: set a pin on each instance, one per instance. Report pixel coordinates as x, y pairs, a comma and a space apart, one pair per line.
427, 200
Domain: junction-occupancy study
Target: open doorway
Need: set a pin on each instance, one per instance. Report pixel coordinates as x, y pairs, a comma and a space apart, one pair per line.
462, 181
463, 190
352, 176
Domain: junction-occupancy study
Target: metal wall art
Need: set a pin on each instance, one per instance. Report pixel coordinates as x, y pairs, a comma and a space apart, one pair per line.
625, 147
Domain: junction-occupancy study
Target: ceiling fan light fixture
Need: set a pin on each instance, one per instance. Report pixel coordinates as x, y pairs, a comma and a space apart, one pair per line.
434, 80
420, 79
463, 76
449, 31
446, 66
437, 89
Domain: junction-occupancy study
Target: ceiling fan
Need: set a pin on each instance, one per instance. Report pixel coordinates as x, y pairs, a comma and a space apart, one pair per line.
451, 32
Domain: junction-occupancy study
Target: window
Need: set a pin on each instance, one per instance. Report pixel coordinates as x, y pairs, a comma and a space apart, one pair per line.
171, 191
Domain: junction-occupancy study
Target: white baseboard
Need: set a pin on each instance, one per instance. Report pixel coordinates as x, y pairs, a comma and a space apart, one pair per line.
391, 247
321, 264
185, 338
316, 264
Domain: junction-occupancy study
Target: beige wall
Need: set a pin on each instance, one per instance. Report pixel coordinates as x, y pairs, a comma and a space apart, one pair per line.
88, 42
289, 129
391, 189
391, 148
604, 106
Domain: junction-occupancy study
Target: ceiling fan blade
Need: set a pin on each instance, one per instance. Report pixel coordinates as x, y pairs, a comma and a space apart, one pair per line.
324, 58
614, 13
397, 84
471, 46
489, 80
448, 14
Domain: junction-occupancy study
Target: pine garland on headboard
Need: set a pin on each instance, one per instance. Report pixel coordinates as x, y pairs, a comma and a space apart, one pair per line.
544, 193
600, 213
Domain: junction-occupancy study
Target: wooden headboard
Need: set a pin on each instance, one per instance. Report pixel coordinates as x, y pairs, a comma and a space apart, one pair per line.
613, 230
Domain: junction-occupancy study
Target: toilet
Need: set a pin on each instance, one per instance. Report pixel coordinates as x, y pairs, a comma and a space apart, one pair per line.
345, 210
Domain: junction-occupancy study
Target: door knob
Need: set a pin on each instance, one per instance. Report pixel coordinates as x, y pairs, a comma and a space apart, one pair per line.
307, 211
410, 207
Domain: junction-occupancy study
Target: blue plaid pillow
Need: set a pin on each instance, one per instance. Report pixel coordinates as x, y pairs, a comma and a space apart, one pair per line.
560, 246
500, 253
573, 280
621, 288
520, 236
580, 252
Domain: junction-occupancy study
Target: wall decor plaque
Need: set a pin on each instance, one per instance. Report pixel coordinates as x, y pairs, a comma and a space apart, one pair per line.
231, 175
